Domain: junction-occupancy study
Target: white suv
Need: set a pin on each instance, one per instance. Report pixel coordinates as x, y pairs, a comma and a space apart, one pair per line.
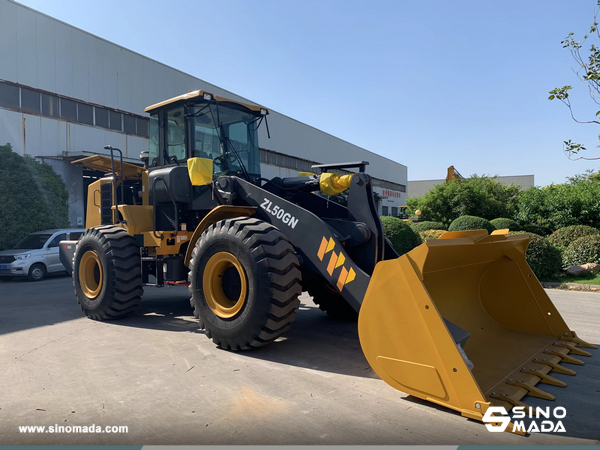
36, 255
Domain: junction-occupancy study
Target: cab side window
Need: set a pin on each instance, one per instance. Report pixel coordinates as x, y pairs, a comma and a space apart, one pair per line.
153, 146
176, 134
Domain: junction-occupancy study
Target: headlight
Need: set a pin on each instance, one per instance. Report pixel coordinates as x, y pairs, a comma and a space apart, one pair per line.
24, 256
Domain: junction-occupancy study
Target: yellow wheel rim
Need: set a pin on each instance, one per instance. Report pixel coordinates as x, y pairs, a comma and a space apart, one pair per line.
90, 274
223, 299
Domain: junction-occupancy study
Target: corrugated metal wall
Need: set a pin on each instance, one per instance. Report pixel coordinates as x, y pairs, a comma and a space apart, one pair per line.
44, 53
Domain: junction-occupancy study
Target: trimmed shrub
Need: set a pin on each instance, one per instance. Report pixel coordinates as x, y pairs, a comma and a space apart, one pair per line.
544, 258
501, 223
564, 237
471, 223
400, 234
537, 228
584, 250
431, 234
427, 225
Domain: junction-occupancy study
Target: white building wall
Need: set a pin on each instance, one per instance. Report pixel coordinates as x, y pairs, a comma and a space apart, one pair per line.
41, 52
269, 171
43, 136
44, 53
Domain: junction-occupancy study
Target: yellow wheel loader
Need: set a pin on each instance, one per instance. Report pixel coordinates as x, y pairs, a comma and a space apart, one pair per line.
461, 321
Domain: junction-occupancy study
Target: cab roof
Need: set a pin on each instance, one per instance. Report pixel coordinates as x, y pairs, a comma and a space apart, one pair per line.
195, 94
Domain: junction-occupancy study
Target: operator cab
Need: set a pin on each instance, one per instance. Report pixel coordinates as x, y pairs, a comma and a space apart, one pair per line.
201, 125
198, 125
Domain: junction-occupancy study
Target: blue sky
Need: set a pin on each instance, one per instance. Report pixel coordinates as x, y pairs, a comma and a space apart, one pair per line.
425, 83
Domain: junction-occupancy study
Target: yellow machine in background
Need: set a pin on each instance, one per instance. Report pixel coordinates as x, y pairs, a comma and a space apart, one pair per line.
453, 174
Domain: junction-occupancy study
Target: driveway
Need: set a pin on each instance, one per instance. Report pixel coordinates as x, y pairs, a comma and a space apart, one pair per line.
157, 374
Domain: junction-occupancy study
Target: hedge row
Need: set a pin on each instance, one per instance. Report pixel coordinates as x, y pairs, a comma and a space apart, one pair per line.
431, 234
564, 237
502, 223
471, 223
572, 245
400, 234
544, 258
584, 250
427, 225
551, 207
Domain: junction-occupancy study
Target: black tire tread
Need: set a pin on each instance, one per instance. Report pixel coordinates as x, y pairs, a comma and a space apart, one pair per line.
124, 261
269, 247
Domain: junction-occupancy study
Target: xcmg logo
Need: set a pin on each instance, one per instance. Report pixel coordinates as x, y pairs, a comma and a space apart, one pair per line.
550, 422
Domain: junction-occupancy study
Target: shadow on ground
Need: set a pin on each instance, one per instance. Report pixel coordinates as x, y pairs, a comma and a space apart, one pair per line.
27, 304
165, 309
315, 341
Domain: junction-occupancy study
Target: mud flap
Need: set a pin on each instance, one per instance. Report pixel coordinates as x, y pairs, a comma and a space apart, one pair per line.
418, 308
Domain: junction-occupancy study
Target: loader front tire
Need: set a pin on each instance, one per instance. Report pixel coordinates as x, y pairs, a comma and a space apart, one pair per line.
107, 273
244, 283
331, 301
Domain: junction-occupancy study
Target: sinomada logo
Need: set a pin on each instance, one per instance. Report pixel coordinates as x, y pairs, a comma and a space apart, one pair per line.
496, 424
543, 420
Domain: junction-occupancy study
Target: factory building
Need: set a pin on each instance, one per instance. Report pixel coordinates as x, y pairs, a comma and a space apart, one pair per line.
65, 94
419, 188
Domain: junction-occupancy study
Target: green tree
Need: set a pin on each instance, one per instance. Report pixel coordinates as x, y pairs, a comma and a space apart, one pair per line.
588, 72
576, 202
32, 197
475, 196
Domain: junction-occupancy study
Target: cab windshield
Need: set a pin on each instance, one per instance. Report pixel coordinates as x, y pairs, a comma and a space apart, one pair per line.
226, 135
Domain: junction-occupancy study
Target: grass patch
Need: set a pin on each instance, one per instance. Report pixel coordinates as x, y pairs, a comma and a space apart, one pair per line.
588, 278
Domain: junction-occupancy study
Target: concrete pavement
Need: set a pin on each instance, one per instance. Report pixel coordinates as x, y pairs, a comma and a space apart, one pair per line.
159, 375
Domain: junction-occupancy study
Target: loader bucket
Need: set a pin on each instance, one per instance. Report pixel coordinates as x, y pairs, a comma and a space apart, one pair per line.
472, 292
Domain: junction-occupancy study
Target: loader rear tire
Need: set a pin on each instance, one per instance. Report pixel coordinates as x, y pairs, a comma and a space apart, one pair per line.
331, 301
107, 275
244, 283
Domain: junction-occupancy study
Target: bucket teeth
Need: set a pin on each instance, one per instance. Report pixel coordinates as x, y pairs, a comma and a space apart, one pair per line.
532, 390
565, 358
544, 378
572, 348
508, 399
555, 367
580, 342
